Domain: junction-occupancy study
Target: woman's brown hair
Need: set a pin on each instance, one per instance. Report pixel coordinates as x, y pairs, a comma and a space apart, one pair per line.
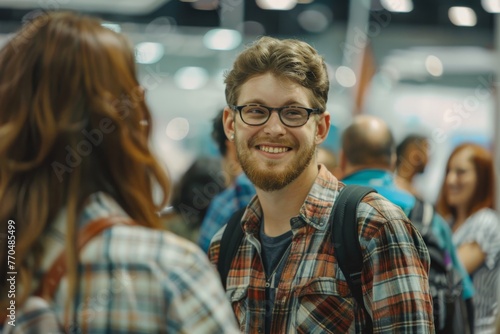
73, 121
484, 194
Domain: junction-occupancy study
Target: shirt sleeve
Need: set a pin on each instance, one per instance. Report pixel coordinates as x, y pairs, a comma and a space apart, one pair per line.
396, 267
485, 231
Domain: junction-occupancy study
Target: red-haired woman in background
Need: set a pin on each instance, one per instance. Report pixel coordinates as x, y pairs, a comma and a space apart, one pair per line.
74, 153
467, 198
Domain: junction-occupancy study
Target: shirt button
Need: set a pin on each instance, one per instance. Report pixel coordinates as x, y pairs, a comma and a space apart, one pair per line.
259, 330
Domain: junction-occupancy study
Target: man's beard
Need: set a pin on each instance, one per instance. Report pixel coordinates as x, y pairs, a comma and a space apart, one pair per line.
264, 175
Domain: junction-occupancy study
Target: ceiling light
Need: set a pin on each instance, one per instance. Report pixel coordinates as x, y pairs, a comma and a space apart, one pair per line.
276, 4
148, 53
345, 76
398, 6
177, 128
191, 77
222, 39
316, 19
462, 16
434, 66
112, 26
491, 6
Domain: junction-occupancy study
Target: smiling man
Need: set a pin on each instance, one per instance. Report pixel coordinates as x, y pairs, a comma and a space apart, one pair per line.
284, 277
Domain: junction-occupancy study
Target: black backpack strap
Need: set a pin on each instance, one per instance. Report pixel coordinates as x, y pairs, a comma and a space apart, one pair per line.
346, 240
421, 216
231, 239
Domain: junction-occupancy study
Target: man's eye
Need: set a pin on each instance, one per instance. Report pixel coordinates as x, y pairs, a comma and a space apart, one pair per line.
293, 113
256, 111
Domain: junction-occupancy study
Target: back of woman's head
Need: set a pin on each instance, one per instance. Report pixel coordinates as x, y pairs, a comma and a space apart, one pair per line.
73, 121
484, 192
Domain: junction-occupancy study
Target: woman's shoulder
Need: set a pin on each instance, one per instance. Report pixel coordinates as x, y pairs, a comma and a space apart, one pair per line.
125, 245
481, 226
486, 216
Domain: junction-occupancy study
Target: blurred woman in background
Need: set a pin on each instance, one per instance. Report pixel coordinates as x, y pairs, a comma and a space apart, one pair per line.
467, 199
74, 154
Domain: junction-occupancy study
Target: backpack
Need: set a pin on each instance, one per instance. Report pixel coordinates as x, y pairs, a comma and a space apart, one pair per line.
37, 307
451, 312
344, 235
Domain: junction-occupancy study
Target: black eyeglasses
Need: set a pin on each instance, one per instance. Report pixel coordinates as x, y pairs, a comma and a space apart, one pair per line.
291, 116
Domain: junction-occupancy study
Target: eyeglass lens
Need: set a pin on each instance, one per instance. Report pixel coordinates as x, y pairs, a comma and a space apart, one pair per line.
256, 115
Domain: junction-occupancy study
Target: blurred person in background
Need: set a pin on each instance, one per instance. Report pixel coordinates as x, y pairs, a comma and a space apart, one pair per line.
230, 165
368, 158
467, 200
328, 158
238, 193
74, 154
191, 197
412, 156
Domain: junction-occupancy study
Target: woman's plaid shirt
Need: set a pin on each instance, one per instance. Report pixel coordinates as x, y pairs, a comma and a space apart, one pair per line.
312, 295
132, 280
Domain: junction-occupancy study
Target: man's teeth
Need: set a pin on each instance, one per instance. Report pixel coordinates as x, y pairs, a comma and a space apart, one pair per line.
270, 149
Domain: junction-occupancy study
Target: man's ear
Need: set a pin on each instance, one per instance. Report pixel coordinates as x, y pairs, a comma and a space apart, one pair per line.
228, 122
322, 127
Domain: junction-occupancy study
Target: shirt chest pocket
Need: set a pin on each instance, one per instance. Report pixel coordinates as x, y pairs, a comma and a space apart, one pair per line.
324, 305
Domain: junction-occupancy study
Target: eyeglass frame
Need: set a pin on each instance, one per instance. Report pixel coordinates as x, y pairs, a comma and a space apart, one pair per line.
278, 110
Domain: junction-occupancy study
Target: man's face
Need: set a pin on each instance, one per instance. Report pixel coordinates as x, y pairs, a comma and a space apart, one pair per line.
461, 180
272, 154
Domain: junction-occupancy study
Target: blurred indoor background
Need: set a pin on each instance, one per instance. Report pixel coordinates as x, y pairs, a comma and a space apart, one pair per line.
425, 66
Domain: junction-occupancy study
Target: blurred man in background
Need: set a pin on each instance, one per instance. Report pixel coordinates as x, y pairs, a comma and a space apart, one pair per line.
412, 158
237, 194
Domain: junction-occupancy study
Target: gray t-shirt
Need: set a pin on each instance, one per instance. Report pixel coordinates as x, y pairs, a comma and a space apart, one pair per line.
483, 227
275, 251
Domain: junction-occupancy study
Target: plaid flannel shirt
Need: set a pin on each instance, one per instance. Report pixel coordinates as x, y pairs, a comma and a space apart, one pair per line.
312, 295
132, 280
